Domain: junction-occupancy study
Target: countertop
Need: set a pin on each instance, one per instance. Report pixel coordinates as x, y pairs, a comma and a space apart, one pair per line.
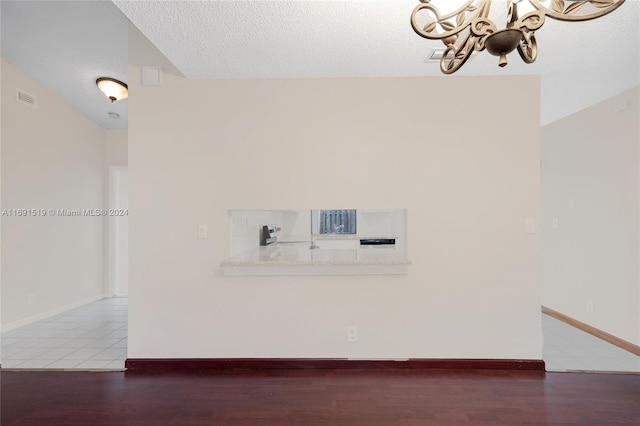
299, 254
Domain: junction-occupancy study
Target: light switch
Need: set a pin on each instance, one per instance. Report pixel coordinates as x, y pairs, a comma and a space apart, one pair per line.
202, 231
555, 223
529, 225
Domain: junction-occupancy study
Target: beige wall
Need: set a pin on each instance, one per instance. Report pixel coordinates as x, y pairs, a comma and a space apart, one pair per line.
590, 187
116, 148
52, 158
199, 148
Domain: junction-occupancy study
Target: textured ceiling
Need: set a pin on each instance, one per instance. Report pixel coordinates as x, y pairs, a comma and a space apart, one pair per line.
66, 45
580, 63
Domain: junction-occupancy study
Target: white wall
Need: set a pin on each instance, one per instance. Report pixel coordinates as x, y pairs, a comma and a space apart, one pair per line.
590, 186
116, 227
197, 149
52, 158
120, 223
246, 226
116, 148
382, 224
296, 225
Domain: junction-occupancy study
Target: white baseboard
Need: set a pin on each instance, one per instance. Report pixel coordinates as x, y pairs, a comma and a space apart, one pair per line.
29, 320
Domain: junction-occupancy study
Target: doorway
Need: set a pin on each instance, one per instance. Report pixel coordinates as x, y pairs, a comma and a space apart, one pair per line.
118, 225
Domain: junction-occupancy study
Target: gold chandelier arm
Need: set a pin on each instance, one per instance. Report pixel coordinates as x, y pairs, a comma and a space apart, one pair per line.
572, 10
427, 20
471, 28
528, 48
532, 21
528, 24
455, 56
482, 28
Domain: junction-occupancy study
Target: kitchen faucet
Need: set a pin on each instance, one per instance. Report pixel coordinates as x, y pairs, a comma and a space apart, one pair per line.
338, 228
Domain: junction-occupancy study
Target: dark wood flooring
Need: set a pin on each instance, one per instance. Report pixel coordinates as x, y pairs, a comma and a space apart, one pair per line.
318, 397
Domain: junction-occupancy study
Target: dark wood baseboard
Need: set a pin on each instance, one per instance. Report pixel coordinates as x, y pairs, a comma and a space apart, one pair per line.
623, 344
141, 364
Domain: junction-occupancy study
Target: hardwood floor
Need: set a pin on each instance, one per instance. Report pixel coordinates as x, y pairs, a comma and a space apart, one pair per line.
318, 397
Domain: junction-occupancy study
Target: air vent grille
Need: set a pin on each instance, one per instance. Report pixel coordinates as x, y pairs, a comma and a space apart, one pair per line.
436, 55
26, 98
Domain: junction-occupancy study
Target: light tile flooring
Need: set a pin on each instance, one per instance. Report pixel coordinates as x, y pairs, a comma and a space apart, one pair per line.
93, 336
567, 348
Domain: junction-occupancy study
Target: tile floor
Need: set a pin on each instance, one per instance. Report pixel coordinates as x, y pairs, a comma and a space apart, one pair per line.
93, 336
566, 348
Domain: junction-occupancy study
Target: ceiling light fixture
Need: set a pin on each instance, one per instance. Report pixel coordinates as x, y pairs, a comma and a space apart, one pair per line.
467, 27
114, 89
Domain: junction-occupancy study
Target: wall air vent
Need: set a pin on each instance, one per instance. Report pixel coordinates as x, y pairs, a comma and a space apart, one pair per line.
26, 98
436, 54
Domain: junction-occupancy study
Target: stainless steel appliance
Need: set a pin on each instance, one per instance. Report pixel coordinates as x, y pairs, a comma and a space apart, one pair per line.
377, 242
269, 235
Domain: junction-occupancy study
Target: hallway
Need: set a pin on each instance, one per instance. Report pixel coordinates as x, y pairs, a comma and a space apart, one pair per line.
93, 336
566, 348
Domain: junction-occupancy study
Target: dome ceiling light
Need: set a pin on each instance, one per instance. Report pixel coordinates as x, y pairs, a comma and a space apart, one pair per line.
114, 89
467, 28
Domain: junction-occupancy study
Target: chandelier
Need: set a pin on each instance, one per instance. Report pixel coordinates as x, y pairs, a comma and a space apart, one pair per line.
467, 28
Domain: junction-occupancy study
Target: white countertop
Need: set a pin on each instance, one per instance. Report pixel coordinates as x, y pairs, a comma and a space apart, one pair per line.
320, 237
299, 254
